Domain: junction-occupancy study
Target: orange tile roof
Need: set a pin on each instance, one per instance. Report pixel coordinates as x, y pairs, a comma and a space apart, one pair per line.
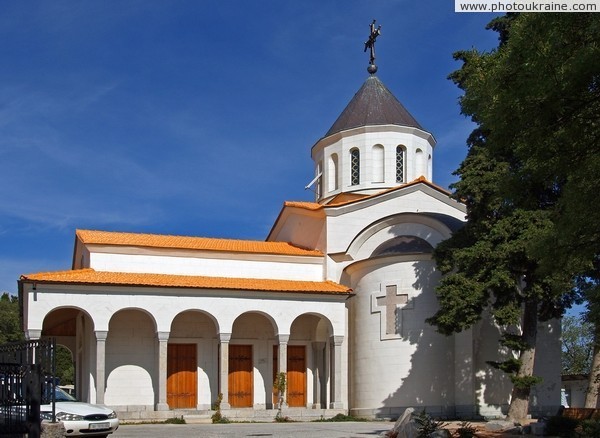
93, 277
344, 198
303, 204
195, 243
349, 198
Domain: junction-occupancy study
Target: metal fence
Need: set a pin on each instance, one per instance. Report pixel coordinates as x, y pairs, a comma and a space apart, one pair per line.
27, 380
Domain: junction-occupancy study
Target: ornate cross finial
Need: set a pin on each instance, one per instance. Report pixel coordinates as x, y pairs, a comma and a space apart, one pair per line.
370, 44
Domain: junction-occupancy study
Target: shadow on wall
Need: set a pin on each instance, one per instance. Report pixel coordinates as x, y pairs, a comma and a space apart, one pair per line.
448, 375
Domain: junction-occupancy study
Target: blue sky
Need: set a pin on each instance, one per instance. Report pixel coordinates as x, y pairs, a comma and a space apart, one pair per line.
197, 117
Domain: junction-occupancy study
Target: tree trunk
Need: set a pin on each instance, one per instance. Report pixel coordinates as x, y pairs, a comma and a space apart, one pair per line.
519, 400
591, 396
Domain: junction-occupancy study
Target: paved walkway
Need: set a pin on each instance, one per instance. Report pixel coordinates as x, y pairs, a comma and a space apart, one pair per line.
279, 430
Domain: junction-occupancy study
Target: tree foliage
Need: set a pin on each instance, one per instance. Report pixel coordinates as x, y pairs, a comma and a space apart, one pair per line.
577, 345
10, 325
529, 182
65, 368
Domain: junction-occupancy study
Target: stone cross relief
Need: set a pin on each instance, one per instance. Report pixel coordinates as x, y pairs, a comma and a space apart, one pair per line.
390, 307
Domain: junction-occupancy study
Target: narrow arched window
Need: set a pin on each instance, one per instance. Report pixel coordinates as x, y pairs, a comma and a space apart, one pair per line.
429, 168
320, 180
378, 163
419, 163
400, 163
354, 167
333, 173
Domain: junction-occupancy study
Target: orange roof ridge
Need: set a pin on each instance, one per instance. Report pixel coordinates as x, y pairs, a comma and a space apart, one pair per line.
418, 180
303, 204
92, 277
194, 243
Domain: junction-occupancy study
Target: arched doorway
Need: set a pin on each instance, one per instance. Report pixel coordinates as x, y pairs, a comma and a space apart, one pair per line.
308, 361
131, 365
192, 361
73, 330
250, 375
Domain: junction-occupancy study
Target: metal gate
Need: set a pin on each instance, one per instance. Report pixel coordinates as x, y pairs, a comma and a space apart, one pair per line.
27, 380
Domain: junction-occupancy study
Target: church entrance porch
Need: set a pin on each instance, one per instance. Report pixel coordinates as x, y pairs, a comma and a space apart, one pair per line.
149, 365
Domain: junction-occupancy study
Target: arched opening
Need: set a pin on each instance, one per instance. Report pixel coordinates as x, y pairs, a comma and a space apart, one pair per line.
73, 330
131, 359
319, 176
192, 373
332, 172
250, 373
418, 163
403, 245
378, 163
309, 361
429, 167
354, 167
400, 164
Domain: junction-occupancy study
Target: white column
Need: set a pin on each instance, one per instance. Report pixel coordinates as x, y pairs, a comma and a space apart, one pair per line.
282, 360
318, 375
224, 369
163, 338
336, 380
282, 353
101, 336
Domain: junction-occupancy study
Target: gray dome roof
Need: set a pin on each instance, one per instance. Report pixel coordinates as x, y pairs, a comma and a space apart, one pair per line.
373, 104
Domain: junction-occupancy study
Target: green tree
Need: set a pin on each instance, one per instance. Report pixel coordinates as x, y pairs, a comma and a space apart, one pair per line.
10, 323
591, 288
65, 369
529, 183
577, 345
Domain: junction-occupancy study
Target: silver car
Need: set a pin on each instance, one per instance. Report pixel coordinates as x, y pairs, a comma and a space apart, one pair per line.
81, 419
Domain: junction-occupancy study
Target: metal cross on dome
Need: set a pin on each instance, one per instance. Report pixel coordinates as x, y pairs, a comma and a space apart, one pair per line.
370, 44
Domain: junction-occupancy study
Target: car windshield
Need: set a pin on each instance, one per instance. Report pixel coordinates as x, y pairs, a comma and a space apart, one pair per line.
62, 396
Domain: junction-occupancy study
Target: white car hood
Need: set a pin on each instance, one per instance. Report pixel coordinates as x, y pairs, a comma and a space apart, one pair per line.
78, 408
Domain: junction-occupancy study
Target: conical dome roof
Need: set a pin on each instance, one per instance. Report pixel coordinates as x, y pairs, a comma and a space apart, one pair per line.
373, 104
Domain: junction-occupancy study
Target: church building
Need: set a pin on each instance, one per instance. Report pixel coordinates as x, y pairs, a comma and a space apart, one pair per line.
336, 297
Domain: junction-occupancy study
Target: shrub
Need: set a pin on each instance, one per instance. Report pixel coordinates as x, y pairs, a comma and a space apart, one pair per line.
563, 427
279, 418
217, 417
175, 420
427, 425
465, 430
589, 429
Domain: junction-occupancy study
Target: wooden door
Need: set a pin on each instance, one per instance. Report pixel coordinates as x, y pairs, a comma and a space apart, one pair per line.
241, 385
296, 375
182, 376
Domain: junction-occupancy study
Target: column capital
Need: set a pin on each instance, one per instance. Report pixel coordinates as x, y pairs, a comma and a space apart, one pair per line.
32, 335
163, 336
283, 339
337, 340
224, 337
101, 335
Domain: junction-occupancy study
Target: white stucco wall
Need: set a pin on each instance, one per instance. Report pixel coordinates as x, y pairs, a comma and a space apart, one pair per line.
495, 386
415, 367
364, 139
213, 265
